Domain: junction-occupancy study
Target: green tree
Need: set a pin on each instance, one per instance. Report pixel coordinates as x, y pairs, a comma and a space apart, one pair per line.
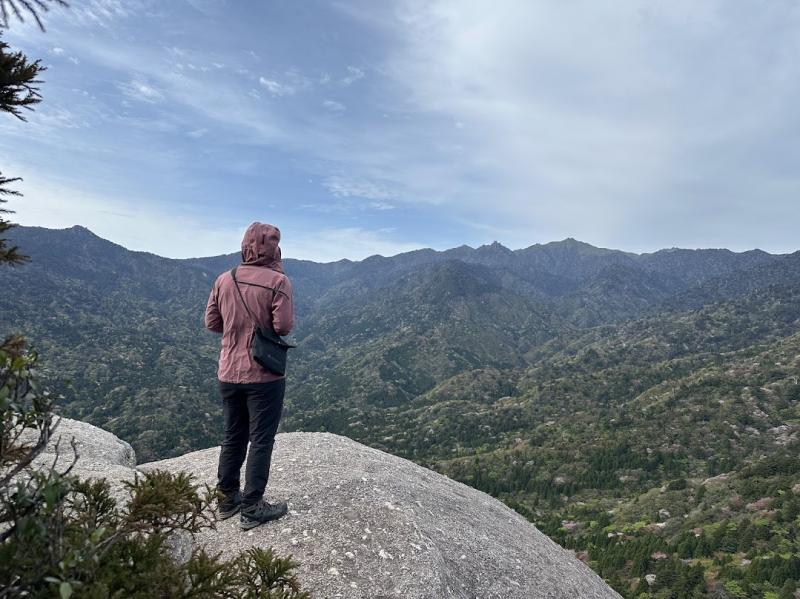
19, 91
8, 254
19, 82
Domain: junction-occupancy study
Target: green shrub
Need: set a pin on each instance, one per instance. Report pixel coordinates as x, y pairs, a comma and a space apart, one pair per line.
61, 536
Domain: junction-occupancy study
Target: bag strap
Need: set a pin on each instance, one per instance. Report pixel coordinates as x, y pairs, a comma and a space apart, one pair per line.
241, 297
271, 331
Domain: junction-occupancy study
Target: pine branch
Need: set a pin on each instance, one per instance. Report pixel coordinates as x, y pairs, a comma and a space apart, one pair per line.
19, 82
8, 255
20, 8
4, 191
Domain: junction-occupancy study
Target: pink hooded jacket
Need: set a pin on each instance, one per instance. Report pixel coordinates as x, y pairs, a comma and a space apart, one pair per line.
268, 293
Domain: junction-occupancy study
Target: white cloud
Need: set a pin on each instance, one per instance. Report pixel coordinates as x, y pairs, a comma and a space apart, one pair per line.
58, 51
275, 88
138, 224
134, 223
334, 106
353, 74
344, 187
522, 116
332, 244
572, 131
104, 12
223, 105
209, 7
56, 117
139, 90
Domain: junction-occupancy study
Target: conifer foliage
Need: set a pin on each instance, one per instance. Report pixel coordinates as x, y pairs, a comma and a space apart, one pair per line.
22, 8
19, 91
19, 82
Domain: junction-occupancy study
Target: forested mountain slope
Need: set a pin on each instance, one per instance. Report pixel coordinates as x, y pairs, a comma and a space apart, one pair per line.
124, 326
588, 388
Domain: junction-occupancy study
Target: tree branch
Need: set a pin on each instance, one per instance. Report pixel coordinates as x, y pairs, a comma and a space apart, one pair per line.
33, 8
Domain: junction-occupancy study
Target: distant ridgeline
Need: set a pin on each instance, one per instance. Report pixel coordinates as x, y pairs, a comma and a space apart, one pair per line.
643, 410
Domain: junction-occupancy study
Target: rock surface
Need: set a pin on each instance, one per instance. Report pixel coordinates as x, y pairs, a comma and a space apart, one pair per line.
366, 524
100, 454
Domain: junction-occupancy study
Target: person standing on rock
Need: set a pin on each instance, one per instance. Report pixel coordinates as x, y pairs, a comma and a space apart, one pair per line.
252, 397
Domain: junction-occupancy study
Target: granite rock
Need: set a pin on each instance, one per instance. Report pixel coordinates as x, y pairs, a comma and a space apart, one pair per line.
366, 524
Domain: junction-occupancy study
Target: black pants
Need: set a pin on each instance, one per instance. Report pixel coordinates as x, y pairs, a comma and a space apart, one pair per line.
252, 412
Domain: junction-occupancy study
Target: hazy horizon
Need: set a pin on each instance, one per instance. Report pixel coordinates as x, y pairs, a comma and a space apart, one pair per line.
513, 249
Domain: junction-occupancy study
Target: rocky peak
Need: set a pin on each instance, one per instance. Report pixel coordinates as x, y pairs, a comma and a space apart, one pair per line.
366, 524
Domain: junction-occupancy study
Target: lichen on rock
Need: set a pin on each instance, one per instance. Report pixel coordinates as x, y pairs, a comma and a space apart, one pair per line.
366, 524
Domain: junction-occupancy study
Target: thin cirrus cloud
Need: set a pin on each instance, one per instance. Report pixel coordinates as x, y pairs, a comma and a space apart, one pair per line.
334, 106
353, 75
666, 132
636, 124
351, 241
138, 90
347, 187
275, 88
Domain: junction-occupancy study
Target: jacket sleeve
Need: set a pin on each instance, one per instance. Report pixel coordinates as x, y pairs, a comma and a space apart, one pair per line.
213, 317
283, 308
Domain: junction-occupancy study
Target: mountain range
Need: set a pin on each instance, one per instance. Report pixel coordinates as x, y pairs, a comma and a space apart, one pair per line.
641, 409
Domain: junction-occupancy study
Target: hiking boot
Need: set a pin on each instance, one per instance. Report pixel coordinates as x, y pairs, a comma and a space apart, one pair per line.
261, 512
229, 505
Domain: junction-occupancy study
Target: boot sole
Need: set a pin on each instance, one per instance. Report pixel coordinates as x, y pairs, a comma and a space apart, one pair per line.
228, 514
252, 523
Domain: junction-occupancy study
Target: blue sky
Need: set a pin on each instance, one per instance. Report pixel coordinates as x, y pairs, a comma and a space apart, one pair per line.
370, 127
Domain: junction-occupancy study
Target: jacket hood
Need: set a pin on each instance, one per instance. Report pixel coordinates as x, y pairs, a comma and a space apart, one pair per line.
260, 246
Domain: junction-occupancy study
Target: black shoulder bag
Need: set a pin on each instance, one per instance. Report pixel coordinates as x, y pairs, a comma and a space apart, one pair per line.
266, 348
